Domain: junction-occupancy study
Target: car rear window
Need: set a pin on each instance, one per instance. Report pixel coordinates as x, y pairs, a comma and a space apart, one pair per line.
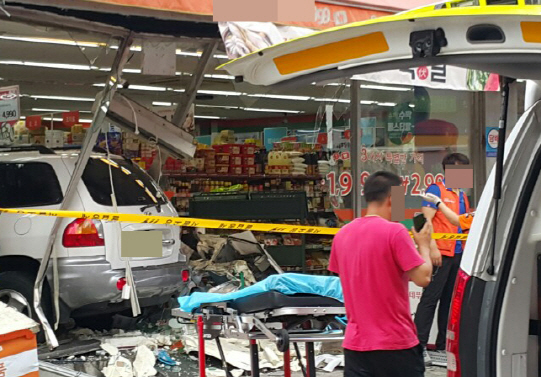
132, 185
29, 184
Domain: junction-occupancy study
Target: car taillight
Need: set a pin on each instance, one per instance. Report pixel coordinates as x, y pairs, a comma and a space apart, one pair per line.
83, 233
453, 326
120, 283
185, 275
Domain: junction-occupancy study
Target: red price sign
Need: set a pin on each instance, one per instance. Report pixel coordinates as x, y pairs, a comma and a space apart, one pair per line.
345, 183
33, 122
71, 118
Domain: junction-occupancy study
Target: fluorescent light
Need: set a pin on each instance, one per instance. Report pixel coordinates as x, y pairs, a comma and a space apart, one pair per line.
158, 103
179, 90
183, 74
218, 76
62, 98
385, 103
367, 102
220, 92
271, 110
77, 67
206, 117
49, 110
148, 88
125, 70
52, 41
220, 107
102, 85
198, 54
279, 96
331, 100
60, 120
383, 87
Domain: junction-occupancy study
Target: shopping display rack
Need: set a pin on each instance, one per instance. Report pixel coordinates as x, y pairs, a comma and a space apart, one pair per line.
283, 319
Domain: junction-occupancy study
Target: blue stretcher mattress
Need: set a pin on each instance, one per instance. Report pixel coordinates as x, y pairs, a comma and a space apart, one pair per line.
288, 284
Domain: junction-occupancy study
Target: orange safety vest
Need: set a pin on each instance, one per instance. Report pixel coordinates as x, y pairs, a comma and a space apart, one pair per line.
440, 222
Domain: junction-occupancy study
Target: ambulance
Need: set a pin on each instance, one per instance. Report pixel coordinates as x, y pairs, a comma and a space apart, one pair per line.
494, 328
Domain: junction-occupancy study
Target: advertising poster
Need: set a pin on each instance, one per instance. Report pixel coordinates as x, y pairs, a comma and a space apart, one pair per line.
9, 113
491, 141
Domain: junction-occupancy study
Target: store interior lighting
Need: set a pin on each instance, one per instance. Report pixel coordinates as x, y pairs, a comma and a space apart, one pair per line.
271, 110
279, 96
77, 67
62, 98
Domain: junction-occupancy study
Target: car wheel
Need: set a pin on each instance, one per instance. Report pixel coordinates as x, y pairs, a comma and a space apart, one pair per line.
17, 291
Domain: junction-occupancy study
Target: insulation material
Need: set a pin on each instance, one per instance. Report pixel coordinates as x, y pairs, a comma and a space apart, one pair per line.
230, 269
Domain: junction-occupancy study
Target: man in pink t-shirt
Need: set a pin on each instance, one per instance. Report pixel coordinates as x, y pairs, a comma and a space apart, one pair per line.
375, 259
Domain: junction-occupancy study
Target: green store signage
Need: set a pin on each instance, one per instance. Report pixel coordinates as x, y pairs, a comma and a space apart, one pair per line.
400, 124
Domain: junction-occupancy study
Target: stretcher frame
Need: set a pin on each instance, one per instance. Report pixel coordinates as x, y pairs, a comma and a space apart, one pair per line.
218, 320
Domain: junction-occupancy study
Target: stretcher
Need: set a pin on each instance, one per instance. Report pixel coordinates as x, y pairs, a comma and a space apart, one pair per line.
279, 317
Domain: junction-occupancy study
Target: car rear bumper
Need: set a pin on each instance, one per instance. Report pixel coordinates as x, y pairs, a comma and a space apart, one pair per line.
90, 280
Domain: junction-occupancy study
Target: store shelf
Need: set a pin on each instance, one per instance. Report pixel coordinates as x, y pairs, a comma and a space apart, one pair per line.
245, 177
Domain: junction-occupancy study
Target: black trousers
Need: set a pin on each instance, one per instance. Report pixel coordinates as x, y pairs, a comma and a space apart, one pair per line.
401, 363
439, 290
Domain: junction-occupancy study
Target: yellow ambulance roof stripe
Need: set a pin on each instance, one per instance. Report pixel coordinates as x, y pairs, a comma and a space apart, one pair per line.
419, 13
531, 31
332, 53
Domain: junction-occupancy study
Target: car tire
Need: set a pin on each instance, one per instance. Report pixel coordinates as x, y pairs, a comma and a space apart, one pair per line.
15, 287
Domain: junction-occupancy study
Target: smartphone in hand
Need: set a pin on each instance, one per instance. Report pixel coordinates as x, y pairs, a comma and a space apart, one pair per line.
418, 222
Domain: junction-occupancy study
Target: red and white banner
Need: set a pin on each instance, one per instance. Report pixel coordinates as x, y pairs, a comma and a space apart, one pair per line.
437, 77
70, 118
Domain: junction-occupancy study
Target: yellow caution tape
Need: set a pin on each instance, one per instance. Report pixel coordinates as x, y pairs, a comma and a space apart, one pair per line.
199, 223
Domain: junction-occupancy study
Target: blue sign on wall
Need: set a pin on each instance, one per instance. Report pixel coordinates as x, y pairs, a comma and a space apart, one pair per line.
492, 141
273, 135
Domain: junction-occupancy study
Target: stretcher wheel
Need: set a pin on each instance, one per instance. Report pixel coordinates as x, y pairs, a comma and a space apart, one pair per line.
282, 343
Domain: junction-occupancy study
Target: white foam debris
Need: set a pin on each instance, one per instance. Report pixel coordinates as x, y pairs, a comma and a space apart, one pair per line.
11, 320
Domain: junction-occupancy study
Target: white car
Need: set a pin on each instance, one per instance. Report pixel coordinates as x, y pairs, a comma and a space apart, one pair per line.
91, 269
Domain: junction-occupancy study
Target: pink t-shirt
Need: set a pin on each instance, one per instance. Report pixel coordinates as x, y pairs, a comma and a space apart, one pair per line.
371, 255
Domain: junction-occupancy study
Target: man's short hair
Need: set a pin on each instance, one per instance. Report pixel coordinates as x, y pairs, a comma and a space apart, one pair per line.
455, 159
377, 187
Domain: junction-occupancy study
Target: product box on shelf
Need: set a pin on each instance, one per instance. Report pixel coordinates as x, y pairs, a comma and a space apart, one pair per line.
235, 169
248, 149
228, 148
54, 138
222, 158
222, 169
199, 164
248, 160
235, 159
249, 170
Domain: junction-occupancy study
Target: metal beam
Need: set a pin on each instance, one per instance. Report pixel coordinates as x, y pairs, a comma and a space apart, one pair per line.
355, 143
188, 96
102, 104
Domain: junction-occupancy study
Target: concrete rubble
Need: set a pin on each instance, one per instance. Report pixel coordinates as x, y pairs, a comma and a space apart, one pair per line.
173, 351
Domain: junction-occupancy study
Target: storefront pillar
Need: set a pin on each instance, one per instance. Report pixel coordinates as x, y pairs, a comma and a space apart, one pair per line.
477, 142
355, 142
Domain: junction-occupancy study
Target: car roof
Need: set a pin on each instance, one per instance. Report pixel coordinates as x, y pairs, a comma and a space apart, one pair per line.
384, 44
40, 153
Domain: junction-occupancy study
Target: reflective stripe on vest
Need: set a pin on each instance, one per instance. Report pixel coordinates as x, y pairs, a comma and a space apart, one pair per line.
440, 222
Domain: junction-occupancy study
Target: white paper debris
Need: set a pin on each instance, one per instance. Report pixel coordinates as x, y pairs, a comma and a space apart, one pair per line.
215, 372
237, 353
109, 348
144, 362
11, 320
330, 362
118, 366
